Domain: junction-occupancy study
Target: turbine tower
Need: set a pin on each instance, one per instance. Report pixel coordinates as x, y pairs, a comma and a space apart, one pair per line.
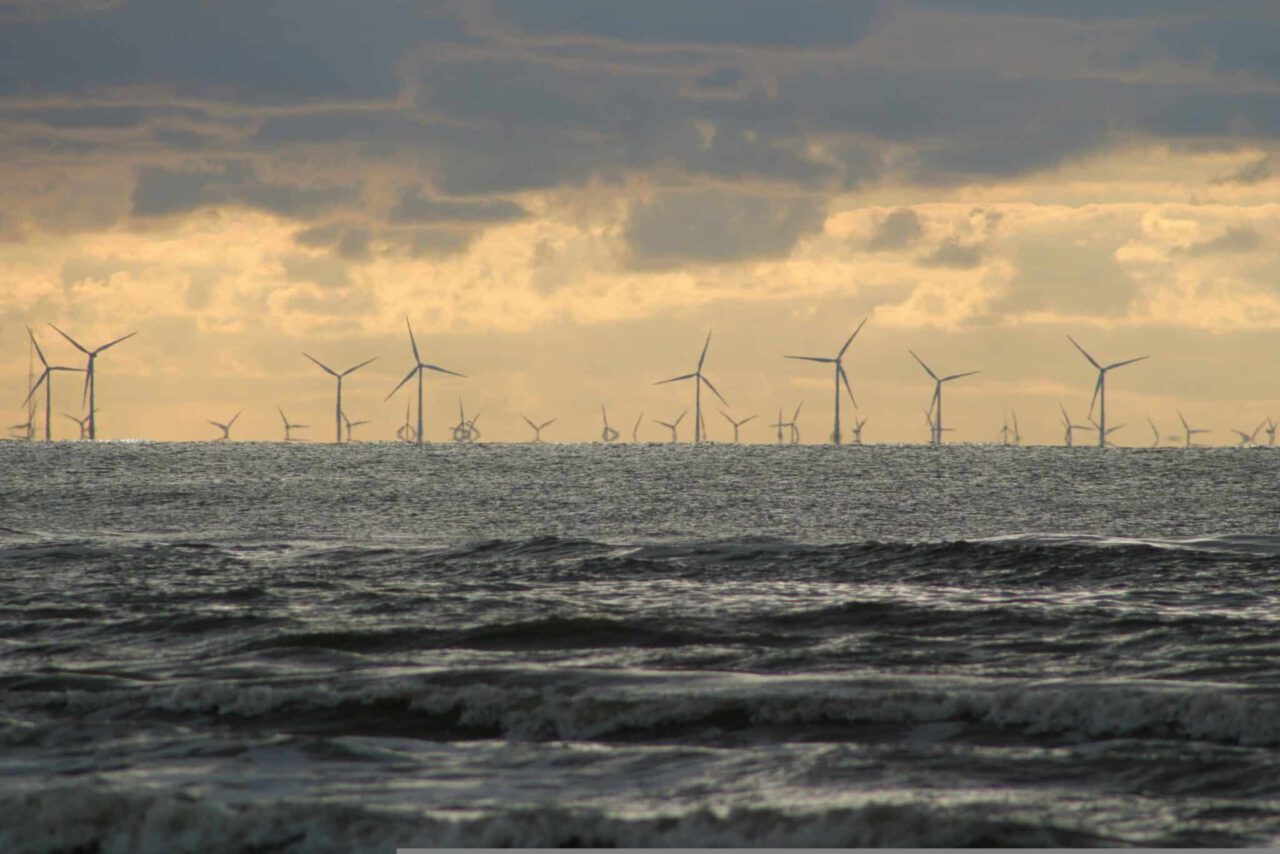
1105, 434
935, 405
537, 428
46, 377
1100, 390
89, 375
608, 434
337, 416
289, 427
225, 428
779, 424
418, 367
736, 424
699, 428
673, 425
840, 376
1190, 432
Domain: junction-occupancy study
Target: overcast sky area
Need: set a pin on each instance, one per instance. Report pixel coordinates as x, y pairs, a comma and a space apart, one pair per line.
564, 197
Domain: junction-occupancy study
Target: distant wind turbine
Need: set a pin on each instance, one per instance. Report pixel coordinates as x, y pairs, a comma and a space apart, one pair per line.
933, 427
46, 377
736, 424
635, 431
935, 405
89, 375
699, 427
289, 427
840, 377
673, 425
1070, 426
1155, 433
795, 428
1271, 432
1100, 390
779, 424
1190, 432
82, 422
418, 367
406, 433
537, 428
608, 434
350, 425
337, 416
1248, 438
225, 428
1106, 435
465, 430
858, 424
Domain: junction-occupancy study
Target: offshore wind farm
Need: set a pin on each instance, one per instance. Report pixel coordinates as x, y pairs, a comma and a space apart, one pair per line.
958, 529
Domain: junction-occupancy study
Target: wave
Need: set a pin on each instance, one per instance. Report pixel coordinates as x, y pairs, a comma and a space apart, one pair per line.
605, 705
99, 818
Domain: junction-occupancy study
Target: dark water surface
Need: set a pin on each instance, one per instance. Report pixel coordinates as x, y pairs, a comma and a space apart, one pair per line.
312, 648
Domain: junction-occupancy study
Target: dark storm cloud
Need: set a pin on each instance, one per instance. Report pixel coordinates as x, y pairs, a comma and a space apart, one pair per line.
161, 192
710, 227
896, 231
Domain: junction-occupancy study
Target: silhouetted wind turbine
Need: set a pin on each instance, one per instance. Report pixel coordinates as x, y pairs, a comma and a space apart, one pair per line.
337, 416
673, 425
1100, 390
840, 376
1155, 433
935, 405
418, 367
779, 424
288, 427
465, 430
1190, 432
225, 428
89, 375
46, 377
1248, 438
928, 419
795, 429
698, 380
82, 422
1271, 431
736, 424
859, 423
405, 433
608, 434
635, 431
1017, 434
351, 425
537, 428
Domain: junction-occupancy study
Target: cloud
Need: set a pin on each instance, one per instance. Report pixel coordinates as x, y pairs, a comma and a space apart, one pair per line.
954, 255
1237, 238
896, 231
162, 192
1254, 172
413, 207
711, 227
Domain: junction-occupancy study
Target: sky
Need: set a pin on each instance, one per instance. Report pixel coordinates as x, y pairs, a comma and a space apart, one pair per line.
565, 197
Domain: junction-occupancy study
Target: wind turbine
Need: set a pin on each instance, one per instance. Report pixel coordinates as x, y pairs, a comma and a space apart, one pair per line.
89, 375
635, 431
46, 377
935, 405
608, 434
225, 428
1190, 432
699, 428
465, 430
673, 425
537, 428
1248, 438
933, 431
82, 423
350, 425
337, 417
858, 424
1004, 432
736, 424
288, 427
840, 376
1100, 390
779, 424
1155, 433
405, 433
28, 427
418, 367
1271, 432
1105, 434
795, 430
1017, 434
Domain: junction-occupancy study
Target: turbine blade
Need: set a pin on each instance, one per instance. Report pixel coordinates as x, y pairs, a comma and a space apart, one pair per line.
88, 378
1126, 362
1097, 389
958, 376
233, 420
546, 424
810, 358
923, 365
840, 355
282, 418
1185, 426
36, 344
713, 388
1092, 361
115, 342
727, 418
441, 370
328, 370
745, 420
847, 387
359, 366
407, 377
412, 342
705, 345
677, 379
39, 382
797, 412
530, 423
74, 342
682, 415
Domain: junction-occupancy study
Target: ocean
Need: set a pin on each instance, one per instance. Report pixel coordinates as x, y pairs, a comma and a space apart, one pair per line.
311, 648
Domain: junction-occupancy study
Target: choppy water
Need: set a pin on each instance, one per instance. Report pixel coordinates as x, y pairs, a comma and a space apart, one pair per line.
313, 648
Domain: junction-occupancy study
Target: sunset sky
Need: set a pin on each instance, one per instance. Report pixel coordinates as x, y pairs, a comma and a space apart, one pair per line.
563, 197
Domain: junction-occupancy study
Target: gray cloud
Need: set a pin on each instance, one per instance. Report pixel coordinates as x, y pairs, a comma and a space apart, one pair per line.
1237, 238
896, 231
161, 192
953, 254
413, 207
710, 227
1251, 173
